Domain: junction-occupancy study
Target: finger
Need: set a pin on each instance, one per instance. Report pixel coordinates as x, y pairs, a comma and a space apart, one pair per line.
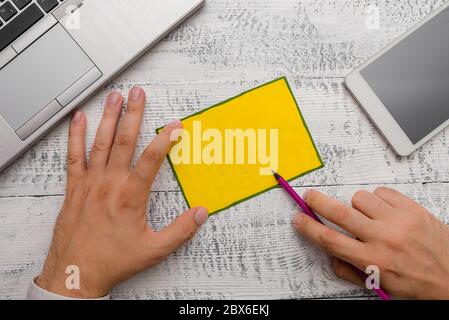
345, 271
101, 148
333, 210
396, 199
182, 229
127, 133
76, 154
335, 243
370, 204
152, 157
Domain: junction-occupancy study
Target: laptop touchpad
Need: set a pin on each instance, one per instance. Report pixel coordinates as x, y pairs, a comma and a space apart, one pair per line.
38, 75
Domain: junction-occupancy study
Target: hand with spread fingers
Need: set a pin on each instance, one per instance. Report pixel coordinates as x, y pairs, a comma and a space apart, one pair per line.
408, 245
102, 227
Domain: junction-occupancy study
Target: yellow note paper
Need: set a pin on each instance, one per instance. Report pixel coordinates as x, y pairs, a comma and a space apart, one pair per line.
224, 154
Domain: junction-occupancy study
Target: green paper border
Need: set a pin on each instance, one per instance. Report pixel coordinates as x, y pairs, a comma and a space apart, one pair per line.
265, 190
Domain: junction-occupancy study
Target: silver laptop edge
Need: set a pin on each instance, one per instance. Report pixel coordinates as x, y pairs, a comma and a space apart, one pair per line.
110, 35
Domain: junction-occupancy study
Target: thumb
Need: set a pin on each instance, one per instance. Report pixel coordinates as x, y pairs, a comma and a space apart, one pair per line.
182, 229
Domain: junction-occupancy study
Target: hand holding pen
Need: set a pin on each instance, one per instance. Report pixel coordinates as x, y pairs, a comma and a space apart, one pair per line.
302, 204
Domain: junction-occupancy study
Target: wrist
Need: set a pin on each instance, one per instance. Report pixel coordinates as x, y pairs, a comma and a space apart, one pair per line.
57, 283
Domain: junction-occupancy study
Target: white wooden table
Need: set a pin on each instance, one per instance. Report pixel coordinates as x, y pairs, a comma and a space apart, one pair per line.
250, 251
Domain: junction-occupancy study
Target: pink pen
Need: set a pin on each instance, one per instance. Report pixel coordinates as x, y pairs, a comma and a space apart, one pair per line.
305, 208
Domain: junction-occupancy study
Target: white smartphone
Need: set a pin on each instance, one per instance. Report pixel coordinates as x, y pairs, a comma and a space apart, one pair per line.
405, 88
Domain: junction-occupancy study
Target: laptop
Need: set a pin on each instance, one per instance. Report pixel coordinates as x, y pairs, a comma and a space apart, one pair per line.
55, 54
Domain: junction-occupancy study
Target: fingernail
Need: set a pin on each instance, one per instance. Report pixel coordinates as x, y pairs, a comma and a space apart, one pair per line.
201, 216
174, 124
306, 195
298, 218
114, 99
77, 117
135, 94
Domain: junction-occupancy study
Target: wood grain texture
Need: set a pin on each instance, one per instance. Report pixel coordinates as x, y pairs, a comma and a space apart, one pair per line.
249, 251
231, 46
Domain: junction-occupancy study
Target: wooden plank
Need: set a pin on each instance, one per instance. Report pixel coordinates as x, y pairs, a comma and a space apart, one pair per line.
250, 251
352, 149
229, 47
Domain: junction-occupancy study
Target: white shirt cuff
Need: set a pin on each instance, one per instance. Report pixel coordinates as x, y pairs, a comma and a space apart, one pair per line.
37, 293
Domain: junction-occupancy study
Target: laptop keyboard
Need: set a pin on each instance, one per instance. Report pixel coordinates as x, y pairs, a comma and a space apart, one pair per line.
17, 16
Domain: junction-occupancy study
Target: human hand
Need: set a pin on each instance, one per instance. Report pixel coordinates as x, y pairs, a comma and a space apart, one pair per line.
102, 227
408, 245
